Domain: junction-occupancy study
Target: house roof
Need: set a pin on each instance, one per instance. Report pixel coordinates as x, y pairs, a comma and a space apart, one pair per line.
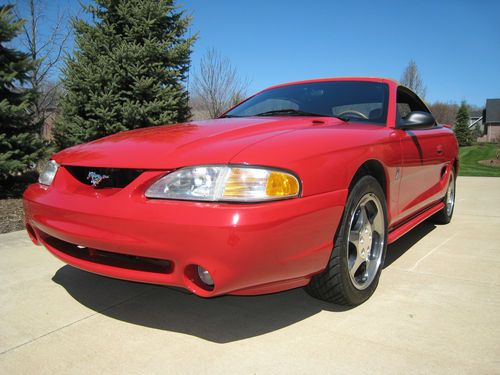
492, 112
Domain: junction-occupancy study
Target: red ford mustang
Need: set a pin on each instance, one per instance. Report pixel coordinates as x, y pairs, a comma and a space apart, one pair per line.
303, 184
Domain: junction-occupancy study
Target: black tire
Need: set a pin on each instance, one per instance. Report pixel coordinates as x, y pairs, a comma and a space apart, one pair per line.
444, 216
335, 284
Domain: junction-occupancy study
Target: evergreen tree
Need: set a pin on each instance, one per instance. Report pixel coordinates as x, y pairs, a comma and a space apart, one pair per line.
128, 71
462, 131
20, 144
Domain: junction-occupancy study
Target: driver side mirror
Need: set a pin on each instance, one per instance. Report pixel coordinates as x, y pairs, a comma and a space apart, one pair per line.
417, 120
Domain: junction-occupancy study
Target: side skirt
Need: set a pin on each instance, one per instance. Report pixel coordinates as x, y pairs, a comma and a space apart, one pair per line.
408, 225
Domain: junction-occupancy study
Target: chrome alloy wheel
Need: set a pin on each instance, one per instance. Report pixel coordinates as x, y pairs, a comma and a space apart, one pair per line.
450, 195
365, 243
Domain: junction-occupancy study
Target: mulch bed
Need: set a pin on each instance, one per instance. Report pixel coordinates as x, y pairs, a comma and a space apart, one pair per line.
12, 215
490, 163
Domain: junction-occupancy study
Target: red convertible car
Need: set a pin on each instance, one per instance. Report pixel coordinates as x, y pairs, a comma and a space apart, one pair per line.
302, 184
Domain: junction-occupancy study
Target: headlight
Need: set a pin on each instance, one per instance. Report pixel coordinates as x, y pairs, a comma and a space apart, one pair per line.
224, 183
48, 173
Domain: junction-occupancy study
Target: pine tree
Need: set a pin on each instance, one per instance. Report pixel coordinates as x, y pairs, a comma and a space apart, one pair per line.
20, 144
462, 130
128, 71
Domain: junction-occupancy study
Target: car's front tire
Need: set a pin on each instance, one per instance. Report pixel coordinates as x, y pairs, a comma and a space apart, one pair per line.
357, 258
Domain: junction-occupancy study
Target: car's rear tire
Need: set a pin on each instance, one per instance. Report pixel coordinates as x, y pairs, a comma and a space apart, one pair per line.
444, 216
357, 258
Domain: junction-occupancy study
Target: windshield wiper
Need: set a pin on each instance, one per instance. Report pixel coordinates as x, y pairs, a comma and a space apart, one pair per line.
296, 112
290, 111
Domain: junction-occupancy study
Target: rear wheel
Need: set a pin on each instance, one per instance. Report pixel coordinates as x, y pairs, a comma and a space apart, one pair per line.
355, 264
444, 216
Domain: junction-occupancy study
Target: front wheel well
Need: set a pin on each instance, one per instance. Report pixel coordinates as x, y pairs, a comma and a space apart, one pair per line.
371, 168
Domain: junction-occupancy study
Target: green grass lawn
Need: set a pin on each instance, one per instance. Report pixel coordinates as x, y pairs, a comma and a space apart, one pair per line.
470, 155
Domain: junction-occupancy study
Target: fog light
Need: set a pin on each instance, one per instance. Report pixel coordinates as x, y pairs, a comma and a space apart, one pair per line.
205, 276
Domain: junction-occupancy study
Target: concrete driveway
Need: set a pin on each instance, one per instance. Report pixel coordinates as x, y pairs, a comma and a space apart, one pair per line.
437, 310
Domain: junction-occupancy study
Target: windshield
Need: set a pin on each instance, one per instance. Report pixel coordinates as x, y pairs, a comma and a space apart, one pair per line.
350, 100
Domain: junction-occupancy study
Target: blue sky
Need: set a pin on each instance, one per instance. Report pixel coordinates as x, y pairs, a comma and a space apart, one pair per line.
456, 44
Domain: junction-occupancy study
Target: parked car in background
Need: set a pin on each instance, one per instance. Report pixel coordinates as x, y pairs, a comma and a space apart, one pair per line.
302, 184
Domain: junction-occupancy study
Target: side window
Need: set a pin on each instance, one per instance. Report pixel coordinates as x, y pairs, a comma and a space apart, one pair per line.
403, 108
408, 102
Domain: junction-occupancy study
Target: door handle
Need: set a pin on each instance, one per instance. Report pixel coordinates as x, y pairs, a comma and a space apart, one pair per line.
439, 149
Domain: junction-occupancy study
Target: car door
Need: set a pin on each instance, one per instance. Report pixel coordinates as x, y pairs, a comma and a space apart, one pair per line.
422, 158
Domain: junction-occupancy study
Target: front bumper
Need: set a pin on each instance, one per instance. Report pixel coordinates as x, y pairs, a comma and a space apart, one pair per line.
247, 248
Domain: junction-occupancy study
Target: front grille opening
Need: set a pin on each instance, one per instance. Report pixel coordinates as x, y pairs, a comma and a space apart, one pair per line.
113, 177
130, 262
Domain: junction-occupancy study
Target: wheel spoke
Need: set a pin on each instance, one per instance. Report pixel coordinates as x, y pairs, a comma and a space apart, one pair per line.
354, 238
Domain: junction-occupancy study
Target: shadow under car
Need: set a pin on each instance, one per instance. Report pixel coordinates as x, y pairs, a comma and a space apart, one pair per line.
220, 319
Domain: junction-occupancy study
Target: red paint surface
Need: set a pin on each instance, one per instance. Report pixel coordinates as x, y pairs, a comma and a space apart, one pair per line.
248, 248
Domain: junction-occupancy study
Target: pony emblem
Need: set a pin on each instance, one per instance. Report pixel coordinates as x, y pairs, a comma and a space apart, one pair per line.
96, 178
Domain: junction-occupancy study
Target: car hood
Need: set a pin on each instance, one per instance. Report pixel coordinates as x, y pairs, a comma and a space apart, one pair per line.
172, 146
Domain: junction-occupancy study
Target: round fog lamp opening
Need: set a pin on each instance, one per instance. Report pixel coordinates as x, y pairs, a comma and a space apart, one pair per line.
205, 276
